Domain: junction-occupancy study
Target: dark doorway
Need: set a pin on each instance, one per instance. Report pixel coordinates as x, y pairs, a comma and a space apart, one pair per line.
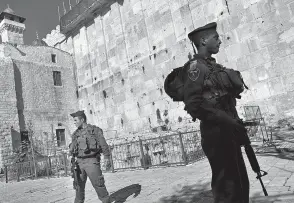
60, 135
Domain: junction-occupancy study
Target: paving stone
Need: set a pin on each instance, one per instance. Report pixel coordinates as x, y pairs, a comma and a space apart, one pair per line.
189, 183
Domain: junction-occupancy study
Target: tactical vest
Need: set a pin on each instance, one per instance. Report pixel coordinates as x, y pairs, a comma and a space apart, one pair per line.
221, 82
86, 141
235, 83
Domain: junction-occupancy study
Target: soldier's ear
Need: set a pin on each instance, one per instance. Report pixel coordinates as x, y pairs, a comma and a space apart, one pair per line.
203, 41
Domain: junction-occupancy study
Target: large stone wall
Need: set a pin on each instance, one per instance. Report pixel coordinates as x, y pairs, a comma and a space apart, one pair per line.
124, 54
31, 98
43, 103
8, 110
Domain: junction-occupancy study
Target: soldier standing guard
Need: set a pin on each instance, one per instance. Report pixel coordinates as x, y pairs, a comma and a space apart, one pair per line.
210, 95
87, 143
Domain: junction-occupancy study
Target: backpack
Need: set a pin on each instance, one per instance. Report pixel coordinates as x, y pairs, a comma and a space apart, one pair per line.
174, 85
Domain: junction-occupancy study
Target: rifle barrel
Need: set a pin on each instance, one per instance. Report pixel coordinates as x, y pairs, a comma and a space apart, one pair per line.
262, 185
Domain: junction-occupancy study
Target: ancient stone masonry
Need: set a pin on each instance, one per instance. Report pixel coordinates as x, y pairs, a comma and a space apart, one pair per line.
124, 53
29, 95
8, 110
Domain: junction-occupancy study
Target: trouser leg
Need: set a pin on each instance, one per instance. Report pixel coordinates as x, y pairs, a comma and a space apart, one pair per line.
230, 182
97, 179
80, 190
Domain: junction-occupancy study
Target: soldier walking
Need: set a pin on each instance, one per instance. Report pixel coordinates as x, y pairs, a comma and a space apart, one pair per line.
209, 93
87, 143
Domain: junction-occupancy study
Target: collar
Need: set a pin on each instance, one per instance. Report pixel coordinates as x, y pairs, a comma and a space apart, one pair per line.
206, 58
81, 127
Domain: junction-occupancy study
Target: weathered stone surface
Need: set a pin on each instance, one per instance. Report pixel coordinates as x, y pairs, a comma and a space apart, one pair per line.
142, 41
29, 94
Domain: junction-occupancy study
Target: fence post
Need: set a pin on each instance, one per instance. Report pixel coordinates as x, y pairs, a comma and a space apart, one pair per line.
65, 164
6, 174
50, 168
57, 160
32, 169
111, 159
182, 149
18, 172
47, 168
142, 153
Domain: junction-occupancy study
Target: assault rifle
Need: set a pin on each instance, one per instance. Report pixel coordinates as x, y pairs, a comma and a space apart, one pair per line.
75, 169
253, 160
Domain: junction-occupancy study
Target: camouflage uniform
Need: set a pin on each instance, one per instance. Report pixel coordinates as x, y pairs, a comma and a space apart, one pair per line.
87, 144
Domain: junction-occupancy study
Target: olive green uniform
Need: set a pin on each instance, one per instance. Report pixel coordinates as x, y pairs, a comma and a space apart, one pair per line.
215, 107
87, 144
210, 96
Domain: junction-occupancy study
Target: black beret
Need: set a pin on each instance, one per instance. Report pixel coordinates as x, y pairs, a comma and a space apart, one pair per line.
212, 25
78, 113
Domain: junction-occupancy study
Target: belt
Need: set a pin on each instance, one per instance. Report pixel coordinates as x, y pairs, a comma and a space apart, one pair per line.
88, 156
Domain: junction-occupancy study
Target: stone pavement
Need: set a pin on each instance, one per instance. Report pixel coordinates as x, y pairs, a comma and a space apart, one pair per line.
182, 184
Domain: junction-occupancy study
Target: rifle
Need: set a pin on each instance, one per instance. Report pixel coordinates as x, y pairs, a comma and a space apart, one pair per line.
75, 169
255, 166
252, 159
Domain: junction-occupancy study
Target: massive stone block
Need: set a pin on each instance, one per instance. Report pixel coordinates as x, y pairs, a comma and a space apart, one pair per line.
128, 51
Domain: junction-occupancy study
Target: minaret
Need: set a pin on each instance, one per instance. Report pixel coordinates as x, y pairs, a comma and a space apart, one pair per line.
11, 27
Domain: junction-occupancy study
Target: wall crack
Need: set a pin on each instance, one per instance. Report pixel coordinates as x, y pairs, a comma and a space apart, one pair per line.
227, 5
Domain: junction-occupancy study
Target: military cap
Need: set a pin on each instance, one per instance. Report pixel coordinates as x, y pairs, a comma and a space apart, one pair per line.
78, 113
209, 26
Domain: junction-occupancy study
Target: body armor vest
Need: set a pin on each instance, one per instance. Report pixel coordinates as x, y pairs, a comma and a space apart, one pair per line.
86, 141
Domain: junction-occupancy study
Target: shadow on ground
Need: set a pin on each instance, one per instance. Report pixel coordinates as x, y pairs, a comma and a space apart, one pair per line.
198, 193
282, 146
123, 194
277, 198
278, 154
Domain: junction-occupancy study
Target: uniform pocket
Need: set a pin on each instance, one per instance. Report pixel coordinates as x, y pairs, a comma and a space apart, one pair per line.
93, 142
82, 143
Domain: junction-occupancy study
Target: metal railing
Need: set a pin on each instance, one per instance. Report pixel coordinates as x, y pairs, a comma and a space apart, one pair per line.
49, 166
175, 149
254, 121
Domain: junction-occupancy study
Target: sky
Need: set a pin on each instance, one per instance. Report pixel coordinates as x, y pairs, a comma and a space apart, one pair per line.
41, 15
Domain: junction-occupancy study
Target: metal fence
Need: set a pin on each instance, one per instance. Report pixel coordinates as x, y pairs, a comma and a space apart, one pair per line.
175, 149
257, 129
46, 167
